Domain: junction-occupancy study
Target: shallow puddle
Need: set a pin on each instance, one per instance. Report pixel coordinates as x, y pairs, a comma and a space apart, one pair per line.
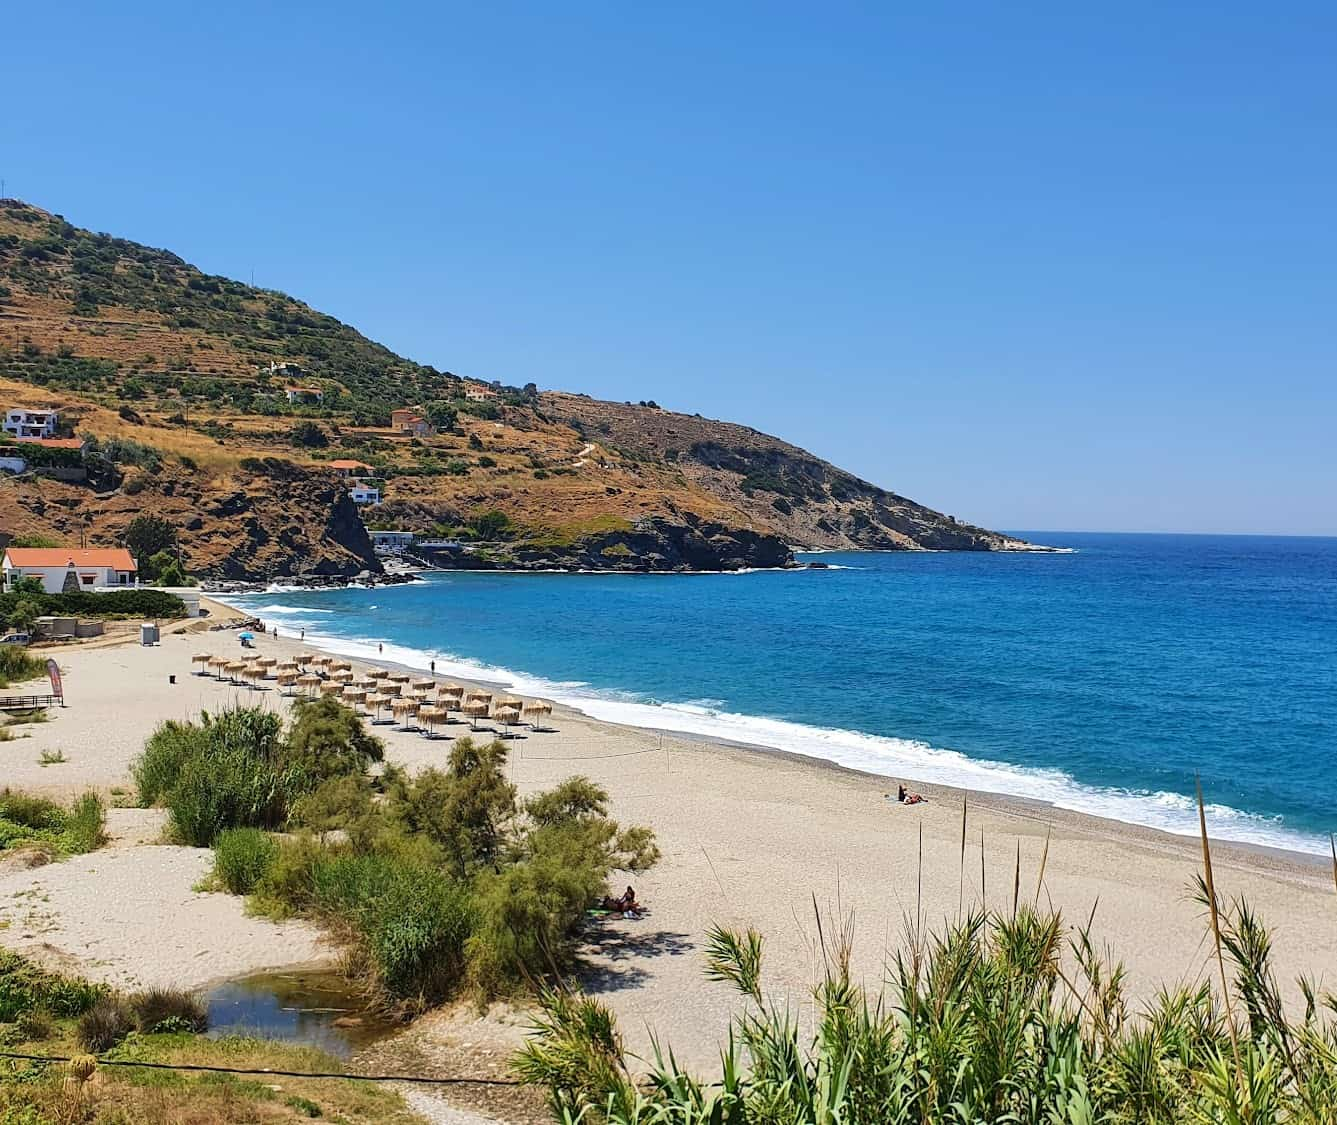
313, 1009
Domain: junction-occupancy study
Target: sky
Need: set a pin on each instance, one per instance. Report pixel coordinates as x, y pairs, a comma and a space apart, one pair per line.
1040, 266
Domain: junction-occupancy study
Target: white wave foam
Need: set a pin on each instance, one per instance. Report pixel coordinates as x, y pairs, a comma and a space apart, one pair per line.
288, 610
900, 758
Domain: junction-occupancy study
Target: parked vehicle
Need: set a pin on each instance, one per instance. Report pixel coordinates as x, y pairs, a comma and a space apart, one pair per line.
15, 639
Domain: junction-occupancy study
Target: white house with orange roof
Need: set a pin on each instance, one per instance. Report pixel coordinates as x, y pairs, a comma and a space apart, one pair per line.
92, 567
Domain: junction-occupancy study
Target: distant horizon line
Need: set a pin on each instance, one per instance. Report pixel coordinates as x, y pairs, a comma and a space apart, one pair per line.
1201, 534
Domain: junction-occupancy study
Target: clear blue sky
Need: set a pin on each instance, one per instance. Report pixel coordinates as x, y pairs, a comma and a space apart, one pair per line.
1038, 265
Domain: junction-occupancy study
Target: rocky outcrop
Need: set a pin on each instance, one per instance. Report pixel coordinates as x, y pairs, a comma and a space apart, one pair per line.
652, 546
275, 520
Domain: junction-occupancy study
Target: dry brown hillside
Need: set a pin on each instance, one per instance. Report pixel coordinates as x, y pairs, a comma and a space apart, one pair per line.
175, 375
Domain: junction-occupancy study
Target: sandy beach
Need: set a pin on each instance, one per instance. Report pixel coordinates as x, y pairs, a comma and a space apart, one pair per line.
749, 838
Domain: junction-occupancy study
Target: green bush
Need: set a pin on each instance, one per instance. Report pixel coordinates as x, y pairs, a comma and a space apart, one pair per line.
410, 922
17, 665
288, 886
242, 856
26, 988
328, 740
25, 819
138, 602
86, 826
240, 770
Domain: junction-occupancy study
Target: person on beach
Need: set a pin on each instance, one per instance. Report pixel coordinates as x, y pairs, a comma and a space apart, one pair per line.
905, 797
624, 904
380, 647
431, 664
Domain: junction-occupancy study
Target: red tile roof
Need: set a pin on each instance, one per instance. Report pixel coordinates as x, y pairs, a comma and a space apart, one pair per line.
345, 464
117, 558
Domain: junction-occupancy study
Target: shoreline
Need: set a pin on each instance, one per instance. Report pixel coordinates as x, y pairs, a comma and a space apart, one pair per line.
749, 838
922, 764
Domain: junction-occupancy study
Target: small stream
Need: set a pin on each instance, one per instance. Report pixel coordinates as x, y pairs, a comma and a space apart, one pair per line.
315, 1008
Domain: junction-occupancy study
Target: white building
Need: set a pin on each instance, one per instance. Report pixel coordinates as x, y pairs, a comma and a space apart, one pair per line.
112, 567
364, 493
476, 392
391, 542
25, 423
299, 395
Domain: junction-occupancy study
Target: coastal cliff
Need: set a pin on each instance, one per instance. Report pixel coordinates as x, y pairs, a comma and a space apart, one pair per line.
236, 413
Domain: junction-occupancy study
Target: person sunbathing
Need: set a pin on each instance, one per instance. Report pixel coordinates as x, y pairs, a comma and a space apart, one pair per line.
905, 797
623, 904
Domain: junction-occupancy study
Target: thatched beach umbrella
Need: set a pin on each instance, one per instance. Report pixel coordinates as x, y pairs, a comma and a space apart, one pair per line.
473, 695
254, 674
378, 673
309, 682
287, 666
267, 662
424, 684
340, 666
476, 709
534, 711
399, 677
387, 688
507, 717
329, 687
405, 710
355, 697
219, 664
375, 704
304, 658
202, 659
235, 670
287, 681
366, 683
431, 718
342, 676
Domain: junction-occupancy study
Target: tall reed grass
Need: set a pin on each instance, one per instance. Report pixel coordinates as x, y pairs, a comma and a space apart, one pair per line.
1010, 1016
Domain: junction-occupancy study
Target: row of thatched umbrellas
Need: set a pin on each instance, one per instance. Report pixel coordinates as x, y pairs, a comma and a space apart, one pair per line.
415, 703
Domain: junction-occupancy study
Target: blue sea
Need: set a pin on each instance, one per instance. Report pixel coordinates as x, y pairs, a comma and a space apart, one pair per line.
1102, 679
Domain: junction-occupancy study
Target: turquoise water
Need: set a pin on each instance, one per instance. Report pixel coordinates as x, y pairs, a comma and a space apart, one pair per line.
1102, 680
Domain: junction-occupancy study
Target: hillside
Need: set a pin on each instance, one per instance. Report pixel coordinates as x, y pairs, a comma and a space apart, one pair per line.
182, 381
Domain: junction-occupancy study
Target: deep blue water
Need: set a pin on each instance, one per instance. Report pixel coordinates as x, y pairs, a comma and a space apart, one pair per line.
1101, 679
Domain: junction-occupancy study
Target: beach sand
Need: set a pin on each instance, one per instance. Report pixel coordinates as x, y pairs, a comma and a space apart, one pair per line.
749, 838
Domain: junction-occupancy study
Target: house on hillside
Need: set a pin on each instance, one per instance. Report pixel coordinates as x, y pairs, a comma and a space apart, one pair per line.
364, 494
351, 469
304, 395
410, 423
477, 392
92, 568
22, 422
67, 463
284, 370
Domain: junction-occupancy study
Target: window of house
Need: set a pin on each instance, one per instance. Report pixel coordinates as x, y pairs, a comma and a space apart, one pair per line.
86, 579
